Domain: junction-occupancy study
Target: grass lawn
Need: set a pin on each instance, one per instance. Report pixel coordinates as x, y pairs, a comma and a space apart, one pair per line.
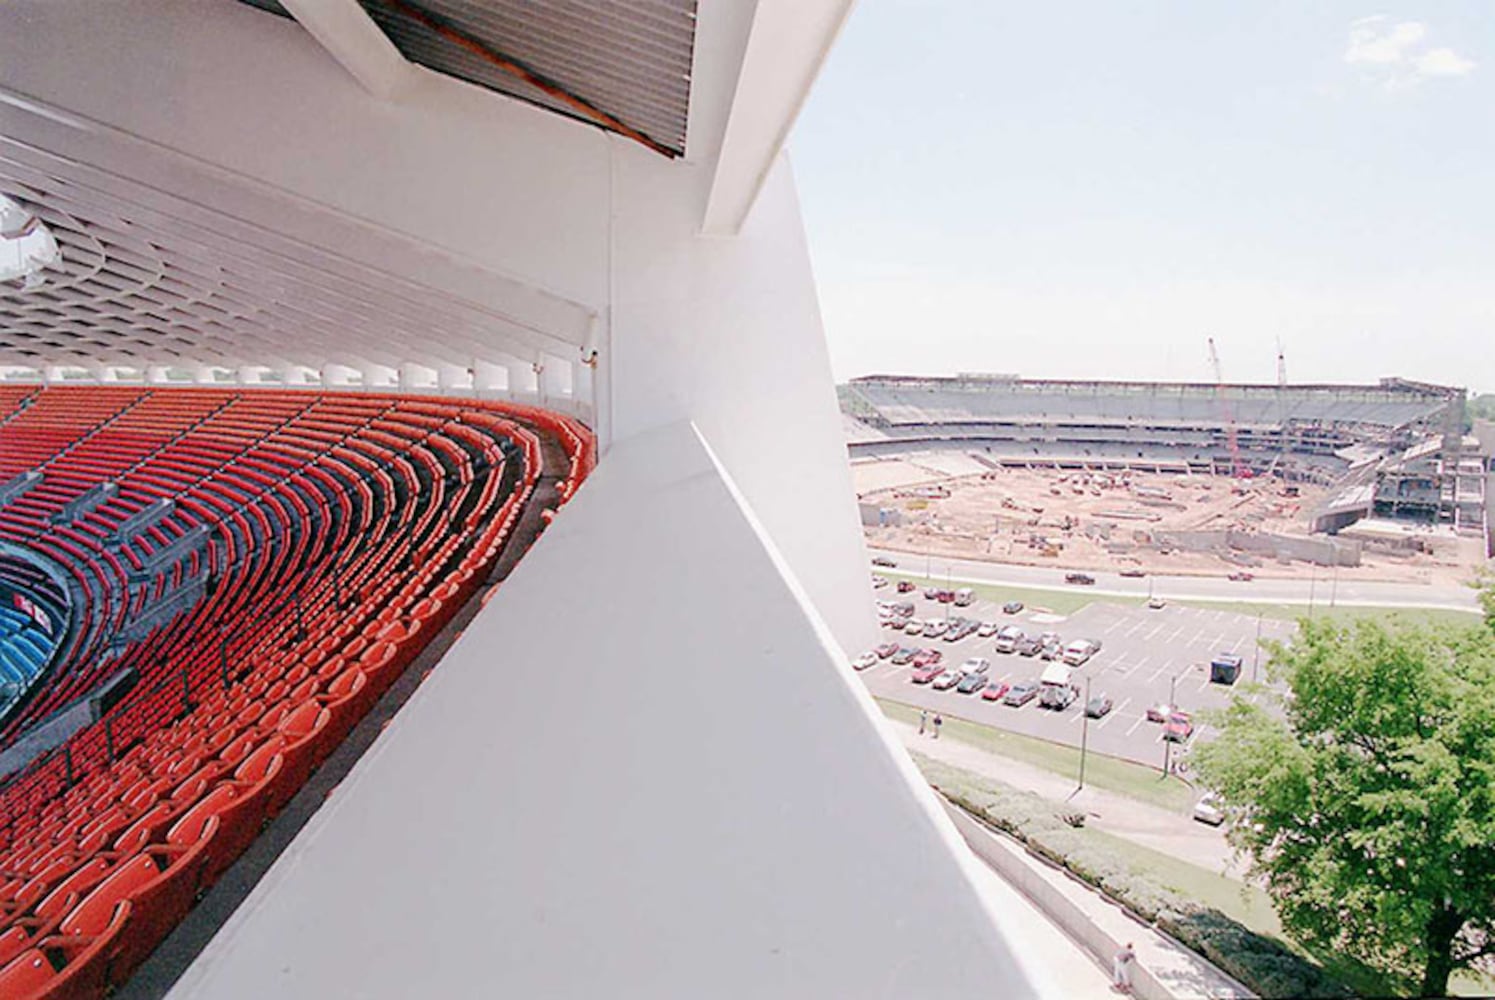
1120, 776
1342, 613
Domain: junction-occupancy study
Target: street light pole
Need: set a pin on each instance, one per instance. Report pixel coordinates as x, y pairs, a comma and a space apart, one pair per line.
1256, 654
1084, 733
1334, 586
1313, 579
1167, 743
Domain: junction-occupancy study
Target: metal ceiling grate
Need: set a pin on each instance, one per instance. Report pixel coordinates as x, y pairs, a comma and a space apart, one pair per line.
155, 280
628, 58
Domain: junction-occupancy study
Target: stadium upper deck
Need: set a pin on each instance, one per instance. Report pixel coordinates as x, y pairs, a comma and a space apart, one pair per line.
1375, 410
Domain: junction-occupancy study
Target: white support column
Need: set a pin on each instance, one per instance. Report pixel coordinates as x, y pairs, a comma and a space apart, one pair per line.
347, 32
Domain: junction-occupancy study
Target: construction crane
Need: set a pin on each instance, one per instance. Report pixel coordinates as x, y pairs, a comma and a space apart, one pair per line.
1237, 466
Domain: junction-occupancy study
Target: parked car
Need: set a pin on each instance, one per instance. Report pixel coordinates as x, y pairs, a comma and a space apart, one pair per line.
1080, 651
1029, 646
1057, 696
1008, 638
1021, 693
879, 582
1084, 579
1155, 603
896, 623
886, 650
1098, 706
1012, 607
945, 596
926, 673
964, 597
976, 665
936, 627
1133, 572
1051, 650
928, 657
864, 661
1210, 809
930, 593
947, 680
905, 586
1179, 727
988, 629
1159, 712
904, 656
884, 562
1242, 575
1050, 637
971, 683
995, 690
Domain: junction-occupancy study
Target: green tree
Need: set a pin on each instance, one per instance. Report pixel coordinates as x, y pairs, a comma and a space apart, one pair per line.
1366, 796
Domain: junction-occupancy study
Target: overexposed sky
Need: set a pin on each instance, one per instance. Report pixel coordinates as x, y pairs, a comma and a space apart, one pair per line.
1091, 190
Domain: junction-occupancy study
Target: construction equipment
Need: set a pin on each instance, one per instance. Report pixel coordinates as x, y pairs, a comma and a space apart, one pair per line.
1238, 468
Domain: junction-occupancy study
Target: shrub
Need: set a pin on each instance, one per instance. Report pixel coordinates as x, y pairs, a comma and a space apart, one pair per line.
1262, 964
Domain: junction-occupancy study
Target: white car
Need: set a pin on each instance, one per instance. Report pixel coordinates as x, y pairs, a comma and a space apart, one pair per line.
935, 628
988, 629
864, 661
1078, 652
1008, 638
948, 679
1210, 809
976, 665
1155, 603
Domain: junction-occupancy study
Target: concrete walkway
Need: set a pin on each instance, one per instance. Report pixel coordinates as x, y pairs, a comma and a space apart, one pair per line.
1171, 833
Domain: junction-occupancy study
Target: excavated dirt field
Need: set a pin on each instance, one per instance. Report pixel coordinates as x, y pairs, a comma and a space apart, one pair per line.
1103, 520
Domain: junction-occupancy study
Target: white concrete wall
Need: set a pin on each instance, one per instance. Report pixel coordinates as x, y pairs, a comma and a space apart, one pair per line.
713, 811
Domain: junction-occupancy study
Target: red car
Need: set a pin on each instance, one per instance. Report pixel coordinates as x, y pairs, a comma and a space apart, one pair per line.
1242, 575
927, 673
1179, 727
1159, 712
945, 596
886, 650
928, 657
905, 586
995, 690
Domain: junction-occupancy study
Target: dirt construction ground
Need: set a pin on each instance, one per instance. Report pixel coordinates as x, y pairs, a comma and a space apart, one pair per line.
1104, 520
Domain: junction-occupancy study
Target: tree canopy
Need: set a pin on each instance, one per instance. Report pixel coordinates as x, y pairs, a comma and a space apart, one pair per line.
1366, 795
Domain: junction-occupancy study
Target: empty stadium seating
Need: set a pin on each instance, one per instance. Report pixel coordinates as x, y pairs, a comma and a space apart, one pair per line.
265, 564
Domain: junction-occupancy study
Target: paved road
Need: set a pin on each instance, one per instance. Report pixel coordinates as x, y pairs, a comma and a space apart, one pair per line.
1323, 591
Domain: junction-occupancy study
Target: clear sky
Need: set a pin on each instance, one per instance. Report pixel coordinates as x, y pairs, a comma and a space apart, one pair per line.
1091, 190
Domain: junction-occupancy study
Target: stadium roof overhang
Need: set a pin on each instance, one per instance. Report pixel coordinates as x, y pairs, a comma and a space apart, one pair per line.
361, 186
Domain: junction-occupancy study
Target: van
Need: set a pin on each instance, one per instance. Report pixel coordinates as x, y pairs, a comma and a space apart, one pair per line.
1078, 652
1055, 690
965, 597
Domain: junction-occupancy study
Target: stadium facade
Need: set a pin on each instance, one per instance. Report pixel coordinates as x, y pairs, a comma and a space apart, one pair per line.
644, 768
1393, 450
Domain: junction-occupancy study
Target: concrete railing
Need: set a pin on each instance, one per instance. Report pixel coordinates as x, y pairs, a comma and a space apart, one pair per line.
1070, 918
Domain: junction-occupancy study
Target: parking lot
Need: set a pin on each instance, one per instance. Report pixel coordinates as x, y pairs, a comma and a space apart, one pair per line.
1147, 656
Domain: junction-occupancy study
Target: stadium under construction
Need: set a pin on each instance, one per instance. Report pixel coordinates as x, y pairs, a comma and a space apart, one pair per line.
1393, 458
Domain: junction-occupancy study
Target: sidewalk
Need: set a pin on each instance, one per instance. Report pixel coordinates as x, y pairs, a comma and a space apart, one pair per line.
1164, 970
1171, 833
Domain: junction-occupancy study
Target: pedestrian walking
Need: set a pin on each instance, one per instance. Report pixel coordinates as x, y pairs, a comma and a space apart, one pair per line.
939, 720
1121, 969
923, 720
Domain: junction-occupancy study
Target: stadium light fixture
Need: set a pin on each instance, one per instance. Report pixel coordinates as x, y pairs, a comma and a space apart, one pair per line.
26, 246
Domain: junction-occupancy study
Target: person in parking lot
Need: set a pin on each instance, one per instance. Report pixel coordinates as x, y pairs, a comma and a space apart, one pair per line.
939, 720
923, 720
